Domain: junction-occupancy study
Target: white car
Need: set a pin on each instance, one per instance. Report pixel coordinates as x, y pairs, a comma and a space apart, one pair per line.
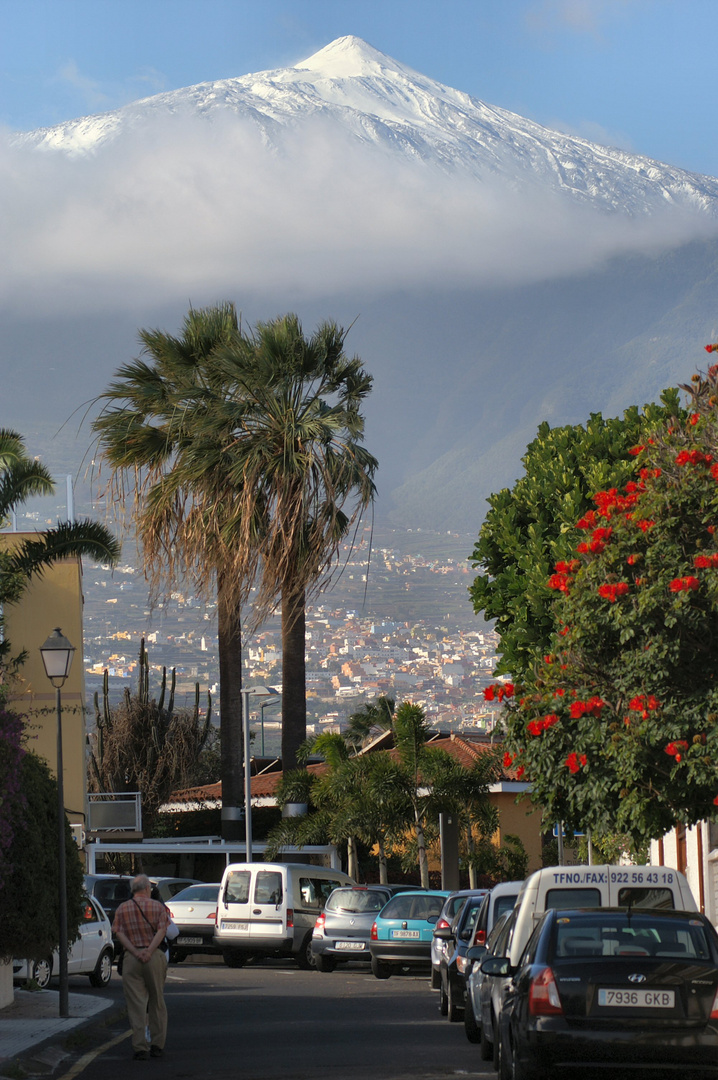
90, 955
193, 912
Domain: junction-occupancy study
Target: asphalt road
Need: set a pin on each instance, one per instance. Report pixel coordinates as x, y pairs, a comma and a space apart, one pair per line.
271, 1021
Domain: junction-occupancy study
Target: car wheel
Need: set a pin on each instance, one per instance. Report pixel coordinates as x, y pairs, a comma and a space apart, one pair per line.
472, 1029
523, 1072
177, 957
233, 958
103, 969
306, 960
42, 972
324, 963
379, 969
455, 1011
435, 978
443, 1001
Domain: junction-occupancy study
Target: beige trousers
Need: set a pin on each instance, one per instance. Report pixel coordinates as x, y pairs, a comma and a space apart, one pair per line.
143, 986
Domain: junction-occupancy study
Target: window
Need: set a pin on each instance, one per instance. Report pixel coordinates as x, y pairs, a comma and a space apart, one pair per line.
237, 889
631, 936
268, 887
315, 892
645, 898
572, 898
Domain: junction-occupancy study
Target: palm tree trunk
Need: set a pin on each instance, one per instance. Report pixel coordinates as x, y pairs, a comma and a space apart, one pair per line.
294, 683
352, 858
383, 869
421, 848
470, 849
229, 635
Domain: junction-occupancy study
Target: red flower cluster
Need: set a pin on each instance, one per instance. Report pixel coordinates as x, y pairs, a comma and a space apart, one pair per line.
711, 348
649, 474
674, 749
610, 502
498, 691
714, 472
588, 521
693, 457
561, 582
636, 450
685, 584
632, 559
611, 592
593, 707
702, 562
537, 726
574, 761
644, 525
508, 760
520, 771
644, 705
567, 567
597, 544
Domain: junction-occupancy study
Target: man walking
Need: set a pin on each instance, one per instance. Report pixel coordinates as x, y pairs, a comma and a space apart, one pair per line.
140, 925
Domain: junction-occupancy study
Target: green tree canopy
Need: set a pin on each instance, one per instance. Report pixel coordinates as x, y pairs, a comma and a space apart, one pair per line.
531, 526
616, 726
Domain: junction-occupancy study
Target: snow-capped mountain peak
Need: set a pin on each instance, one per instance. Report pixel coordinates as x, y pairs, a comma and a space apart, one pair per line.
351, 57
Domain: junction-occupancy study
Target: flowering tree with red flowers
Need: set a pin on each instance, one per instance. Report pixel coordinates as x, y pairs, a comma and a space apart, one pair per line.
617, 726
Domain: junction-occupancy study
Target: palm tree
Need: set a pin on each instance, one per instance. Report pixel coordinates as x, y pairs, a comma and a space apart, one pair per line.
21, 478
155, 435
299, 466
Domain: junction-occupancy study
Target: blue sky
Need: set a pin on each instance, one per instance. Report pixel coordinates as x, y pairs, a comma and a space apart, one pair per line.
635, 73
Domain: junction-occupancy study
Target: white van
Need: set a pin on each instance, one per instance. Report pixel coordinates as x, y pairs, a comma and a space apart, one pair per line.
269, 909
595, 886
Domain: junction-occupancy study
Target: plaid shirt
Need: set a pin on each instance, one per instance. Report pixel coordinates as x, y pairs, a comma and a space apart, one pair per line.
129, 919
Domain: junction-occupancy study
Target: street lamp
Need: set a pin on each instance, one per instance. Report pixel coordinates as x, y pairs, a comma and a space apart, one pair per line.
57, 653
251, 691
268, 704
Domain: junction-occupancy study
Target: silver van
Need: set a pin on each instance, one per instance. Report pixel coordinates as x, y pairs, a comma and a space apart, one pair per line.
593, 887
269, 909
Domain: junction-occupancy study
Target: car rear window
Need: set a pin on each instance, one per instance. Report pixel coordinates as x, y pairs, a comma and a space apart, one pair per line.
502, 904
315, 891
645, 898
572, 898
413, 906
109, 891
198, 893
356, 901
631, 935
237, 888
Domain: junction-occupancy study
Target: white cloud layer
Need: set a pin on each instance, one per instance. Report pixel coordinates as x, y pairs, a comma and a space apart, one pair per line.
180, 207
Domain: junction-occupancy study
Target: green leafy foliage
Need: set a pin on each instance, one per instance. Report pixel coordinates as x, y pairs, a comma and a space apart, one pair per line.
531, 526
616, 726
29, 898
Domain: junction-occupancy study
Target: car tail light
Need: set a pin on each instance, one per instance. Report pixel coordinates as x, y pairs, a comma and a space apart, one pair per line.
170, 913
714, 1010
480, 937
373, 933
543, 995
319, 924
461, 964
213, 915
442, 924
290, 918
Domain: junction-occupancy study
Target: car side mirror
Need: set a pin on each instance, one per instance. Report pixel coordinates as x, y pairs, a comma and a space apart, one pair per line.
476, 953
496, 965
443, 933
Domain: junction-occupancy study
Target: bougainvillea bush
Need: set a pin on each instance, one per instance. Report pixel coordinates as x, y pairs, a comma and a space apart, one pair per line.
616, 726
11, 798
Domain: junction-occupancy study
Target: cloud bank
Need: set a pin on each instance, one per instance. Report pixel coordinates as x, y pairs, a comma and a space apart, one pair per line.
179, 206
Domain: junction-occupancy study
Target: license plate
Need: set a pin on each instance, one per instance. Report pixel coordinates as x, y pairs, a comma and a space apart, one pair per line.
354, 946
406, 934
230, 924
638, 999
182, 940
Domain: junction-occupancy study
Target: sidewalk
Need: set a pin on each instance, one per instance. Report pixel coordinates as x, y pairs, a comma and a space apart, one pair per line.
33, 1020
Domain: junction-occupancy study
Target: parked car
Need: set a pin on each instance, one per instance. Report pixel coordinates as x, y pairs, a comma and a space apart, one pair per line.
454, 902
452, 969
616, 987
167, 887
484, 993
341, 932
269, 909
594, 887
193, 912
500, 899
402, 932
90, 955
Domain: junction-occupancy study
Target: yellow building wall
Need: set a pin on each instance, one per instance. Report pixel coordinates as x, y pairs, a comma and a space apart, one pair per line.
55, 599
522, 819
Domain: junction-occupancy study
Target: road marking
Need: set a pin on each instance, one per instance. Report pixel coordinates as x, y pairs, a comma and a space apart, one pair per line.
90, 1056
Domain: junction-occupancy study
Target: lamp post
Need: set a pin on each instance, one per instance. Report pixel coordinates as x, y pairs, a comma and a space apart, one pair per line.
57, 653
268, 704
251, 691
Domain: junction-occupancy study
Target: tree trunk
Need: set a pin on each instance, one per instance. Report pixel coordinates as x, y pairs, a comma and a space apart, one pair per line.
294, 684
229, 635
421, 849
383, 869
352, 859
470, 849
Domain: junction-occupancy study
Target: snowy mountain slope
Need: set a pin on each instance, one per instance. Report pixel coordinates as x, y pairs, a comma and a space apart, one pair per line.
385, 105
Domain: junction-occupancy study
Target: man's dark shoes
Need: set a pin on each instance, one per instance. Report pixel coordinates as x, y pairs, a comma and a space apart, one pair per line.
156, 1051
141, 1055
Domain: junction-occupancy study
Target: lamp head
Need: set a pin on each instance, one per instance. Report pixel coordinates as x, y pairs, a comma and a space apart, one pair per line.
57, 653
